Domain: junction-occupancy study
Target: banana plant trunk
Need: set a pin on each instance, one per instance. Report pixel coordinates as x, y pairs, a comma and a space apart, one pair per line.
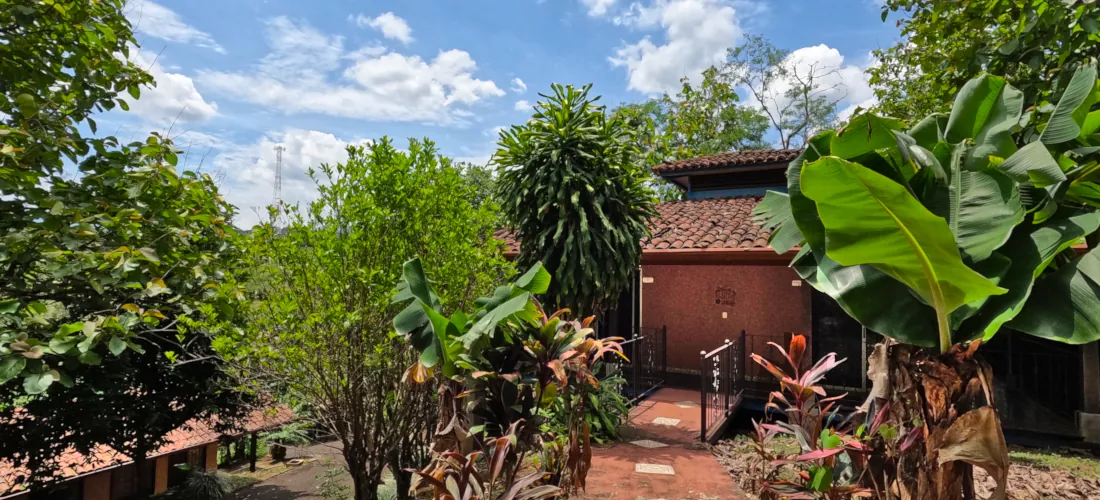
936, 420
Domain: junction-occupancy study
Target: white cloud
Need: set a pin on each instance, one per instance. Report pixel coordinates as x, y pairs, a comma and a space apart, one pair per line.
523, 105
598, 8
697, 34
845, 84
249, 170
158, 21
173, 99
391, 26
518, 86
306, 72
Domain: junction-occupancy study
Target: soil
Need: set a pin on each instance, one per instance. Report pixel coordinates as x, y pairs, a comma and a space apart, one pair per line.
1027, 479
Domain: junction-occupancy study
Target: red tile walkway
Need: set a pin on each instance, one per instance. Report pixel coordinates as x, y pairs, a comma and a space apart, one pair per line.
698, 476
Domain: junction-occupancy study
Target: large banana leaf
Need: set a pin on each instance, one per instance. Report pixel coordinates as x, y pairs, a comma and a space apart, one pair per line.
986, 110
1066, 303
872, 220
1062, 126
876, 300
983, 208
774, 213
1031, 248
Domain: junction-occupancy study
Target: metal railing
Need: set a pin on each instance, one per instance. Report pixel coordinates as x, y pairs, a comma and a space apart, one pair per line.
721, 381
644, 368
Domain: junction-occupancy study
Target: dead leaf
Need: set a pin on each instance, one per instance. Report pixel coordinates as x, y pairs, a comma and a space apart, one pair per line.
976, 438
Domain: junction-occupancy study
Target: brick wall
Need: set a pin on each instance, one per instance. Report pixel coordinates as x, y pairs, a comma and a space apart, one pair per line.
684, 298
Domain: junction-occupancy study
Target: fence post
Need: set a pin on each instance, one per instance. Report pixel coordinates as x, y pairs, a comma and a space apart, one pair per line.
703, 395
743, 358
664, 351
727, 377
635, 351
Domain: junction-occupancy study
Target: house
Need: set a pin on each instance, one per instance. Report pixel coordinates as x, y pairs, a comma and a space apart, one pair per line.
708, 274
108, 474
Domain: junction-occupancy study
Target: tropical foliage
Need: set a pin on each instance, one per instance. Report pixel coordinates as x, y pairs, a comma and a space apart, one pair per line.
319, 329
1035, 44
512, 361
942, 234
832, 461
574, 192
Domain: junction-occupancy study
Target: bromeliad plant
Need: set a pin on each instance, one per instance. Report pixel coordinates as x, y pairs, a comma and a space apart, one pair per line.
940, 235
509, 361
831, 461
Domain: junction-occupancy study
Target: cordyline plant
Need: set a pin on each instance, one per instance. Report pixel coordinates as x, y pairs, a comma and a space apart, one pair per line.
831, 461
940, 235
510, 361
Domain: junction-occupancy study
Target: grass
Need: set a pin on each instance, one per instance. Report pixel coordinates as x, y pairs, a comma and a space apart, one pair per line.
1074, 463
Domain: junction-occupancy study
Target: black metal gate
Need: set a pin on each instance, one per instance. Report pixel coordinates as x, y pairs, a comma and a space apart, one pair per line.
721, 381
835, 331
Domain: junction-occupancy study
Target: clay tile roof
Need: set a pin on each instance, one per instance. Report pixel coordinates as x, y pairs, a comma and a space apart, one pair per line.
707, 223
731, 159
694, 224
191, 434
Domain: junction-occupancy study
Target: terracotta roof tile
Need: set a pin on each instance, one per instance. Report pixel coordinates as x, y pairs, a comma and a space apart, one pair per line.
731, 159
695, 224
191, 434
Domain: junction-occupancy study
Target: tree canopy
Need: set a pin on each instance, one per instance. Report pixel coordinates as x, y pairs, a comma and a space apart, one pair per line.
1034, 45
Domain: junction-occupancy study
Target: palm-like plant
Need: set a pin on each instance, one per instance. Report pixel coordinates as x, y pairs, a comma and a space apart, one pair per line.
941, 235
572, 186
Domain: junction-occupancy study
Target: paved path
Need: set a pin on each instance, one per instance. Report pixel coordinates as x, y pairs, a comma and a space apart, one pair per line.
662, 459
299, 482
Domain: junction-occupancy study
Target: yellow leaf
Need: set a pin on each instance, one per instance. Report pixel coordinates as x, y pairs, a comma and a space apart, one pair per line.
132, 308
155, 313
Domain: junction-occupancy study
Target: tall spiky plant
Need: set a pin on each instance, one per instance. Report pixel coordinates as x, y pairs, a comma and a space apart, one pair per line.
573, 189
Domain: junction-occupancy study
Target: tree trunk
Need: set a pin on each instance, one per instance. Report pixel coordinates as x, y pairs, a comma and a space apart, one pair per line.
402, 480
364, 486
941, 408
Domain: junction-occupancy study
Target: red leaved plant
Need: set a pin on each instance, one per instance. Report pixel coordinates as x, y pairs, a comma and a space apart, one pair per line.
831, 461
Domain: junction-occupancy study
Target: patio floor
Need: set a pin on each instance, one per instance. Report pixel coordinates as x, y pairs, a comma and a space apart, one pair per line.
660, 456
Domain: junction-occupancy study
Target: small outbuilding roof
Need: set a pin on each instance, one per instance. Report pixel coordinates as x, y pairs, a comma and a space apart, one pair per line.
723, 160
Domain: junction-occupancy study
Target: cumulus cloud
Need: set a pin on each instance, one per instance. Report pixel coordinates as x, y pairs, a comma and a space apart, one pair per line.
598, 8
523, 105
308, 71
249, 170
696, 36
391, 26
845, 84
155, 20
173, 99
518, 86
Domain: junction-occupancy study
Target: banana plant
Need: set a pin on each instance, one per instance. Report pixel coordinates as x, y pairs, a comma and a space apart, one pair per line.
962, 224
941, 235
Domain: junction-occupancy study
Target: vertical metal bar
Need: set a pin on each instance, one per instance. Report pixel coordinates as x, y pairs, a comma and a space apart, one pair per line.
703, 395
664, 351
636, 349
742, 357
727, 353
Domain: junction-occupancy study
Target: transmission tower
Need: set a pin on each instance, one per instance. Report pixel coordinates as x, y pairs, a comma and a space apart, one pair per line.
278, 195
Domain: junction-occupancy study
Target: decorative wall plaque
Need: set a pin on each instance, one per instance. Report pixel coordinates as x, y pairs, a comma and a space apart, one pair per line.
725, 295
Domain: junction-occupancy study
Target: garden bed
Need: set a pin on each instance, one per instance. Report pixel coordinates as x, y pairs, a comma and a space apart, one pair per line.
1034, 475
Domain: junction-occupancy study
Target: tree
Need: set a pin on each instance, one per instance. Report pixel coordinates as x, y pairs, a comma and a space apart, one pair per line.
116, 266
791, 93
1035, 45
576, 197
940, 237
320, 328
698, 121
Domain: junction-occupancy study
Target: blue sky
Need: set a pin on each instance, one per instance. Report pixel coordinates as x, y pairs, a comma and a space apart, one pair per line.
238, 77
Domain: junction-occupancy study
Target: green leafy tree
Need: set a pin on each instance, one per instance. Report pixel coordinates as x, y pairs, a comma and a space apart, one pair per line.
940, 236
116, 267
575, 193
320, 328
699, 120
1036, 45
